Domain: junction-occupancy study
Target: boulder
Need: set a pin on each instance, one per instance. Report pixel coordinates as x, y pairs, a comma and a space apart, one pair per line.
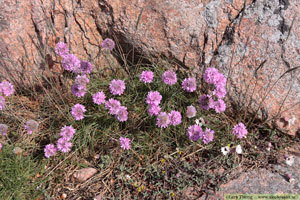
255, 44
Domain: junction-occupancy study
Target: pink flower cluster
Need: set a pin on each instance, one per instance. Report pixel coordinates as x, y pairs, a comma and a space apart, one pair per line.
146, 76
189, 84
115, 108
153, 99
78, 111
240, 130
169, 77
80, 85
31, 126
63, 144
117, 87
213, 76
165, 119
125, 143
3, 129
99, 98
70, 62
108, 44
6, 89
195, 133
191, 111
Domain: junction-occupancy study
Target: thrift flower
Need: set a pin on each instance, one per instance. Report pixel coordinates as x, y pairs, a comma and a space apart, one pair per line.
67, 132
169, 77
122, 114
6, 88
78, 111
82, 80
85, 67
163, 120
175, 117
154, 109
240, 130
211, 75
3, 129
153, 98
220, 92
31, 126
206, 102
220, 81
108, 44
50, 150
208, 136
189, 84
61, 49
117, 87
225, 150
0, 146
99, 98
113, 106
2, 102
191, 111
238, 149
194, 132
63, 145
125, 143
146, 76
71, 63
78, 90
219, 106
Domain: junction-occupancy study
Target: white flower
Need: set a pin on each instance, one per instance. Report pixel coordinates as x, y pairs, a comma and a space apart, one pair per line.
200, 121
238, 149
127, 177
225, 150
269, 146
290, 160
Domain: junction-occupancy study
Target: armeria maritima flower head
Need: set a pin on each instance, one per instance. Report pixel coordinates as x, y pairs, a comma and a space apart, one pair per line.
146, 76
175, 117
154, 109
61, 49
78, 111
50, 150
153, 98
240, 130
208, 136
3, 129
31, 126
117, 87
194, 132
108, 44
6, 88
122, 114
163, 120
71, 63
113, 105
189, 84
169, 77
63, 145
85, 67
67, 132
125, 143
191, 111
99, 98
78, 90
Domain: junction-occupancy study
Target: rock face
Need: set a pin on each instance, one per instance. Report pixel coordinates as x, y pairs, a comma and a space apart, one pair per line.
255, 44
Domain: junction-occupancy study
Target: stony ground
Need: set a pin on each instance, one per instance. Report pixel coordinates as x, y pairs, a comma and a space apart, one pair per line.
265, 181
